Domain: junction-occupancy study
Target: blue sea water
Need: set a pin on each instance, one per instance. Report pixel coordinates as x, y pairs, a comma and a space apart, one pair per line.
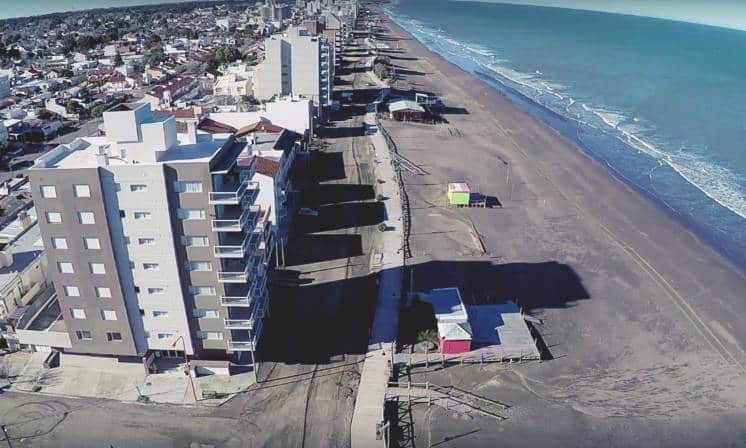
661, 103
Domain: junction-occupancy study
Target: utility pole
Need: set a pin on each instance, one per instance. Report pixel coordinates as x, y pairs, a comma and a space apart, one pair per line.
189, 370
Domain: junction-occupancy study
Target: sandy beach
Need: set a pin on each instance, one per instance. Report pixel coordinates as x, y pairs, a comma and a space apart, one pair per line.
642, 319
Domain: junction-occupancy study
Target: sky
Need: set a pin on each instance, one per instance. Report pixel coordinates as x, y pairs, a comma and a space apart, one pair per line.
724, 13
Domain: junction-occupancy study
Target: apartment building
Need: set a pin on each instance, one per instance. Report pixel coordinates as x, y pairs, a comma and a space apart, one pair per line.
4, 84
297, 64
155, 242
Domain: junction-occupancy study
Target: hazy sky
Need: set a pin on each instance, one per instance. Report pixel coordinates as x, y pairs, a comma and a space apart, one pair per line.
726, 13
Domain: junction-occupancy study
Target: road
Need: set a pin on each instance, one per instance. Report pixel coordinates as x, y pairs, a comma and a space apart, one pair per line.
314, 341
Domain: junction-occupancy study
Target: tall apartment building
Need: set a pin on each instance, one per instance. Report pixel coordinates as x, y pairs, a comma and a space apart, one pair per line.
155, 242
4, 84
297, 64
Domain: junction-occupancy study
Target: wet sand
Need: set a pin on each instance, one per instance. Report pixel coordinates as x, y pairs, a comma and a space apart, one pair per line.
643, 319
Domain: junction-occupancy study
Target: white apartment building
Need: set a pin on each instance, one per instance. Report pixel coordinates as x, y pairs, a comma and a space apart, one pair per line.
155, 240
296, 64
4, 84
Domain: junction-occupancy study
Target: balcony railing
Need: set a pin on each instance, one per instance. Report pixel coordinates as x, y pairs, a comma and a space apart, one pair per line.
239, 324
241, 346
247, 246
233, 277
234, 196
247, 220
236, 301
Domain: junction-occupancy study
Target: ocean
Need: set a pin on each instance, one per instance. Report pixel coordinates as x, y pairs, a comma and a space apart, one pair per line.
660, 103
11, 8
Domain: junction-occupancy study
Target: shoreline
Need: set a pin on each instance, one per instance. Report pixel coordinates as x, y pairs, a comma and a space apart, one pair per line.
714, 219
624, 289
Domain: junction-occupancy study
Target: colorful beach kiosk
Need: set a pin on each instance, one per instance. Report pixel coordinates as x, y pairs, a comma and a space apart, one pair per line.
459, 194
454, 330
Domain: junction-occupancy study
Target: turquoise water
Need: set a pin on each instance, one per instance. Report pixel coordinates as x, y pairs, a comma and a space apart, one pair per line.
12, 8
661, 103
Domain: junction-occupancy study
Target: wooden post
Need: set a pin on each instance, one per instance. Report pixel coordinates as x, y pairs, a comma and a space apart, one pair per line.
427, 356
429, 394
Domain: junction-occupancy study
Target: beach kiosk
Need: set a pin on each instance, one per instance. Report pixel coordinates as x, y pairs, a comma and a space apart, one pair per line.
454, 331
459, 194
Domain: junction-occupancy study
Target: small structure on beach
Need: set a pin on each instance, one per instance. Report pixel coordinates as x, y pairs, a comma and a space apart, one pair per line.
454, 330
406, 110
459, 194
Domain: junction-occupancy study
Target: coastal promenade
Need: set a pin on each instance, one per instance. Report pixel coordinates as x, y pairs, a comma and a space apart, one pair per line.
641, 318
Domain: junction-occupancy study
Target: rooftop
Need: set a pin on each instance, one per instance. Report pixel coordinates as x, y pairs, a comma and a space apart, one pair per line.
447, 305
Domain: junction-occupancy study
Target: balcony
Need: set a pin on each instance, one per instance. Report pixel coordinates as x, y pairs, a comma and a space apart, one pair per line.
233, 277
239, 324
237, 221
237, 247
241, 346
235, 301
232, 194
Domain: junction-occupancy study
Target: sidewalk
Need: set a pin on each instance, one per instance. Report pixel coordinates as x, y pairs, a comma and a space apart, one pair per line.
99, 377
371, 396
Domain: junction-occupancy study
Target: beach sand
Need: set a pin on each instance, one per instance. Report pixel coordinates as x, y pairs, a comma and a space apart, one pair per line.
642, 319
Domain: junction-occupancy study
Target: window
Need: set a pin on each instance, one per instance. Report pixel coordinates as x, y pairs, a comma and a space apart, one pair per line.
108, 315
190, 213
188, 186
65, 267
203, 266
195, 241
72, 291
159, 313
113, 336
202, 290
96, 268
59, 243
156, 291
141, 215
205, 313
138, 188
48, 191
84, 335
146, 241
210, 335
77, 313
53, 217
103, 292
82, 191
122, 214
151, 266
91, 243
86, 218
165, 335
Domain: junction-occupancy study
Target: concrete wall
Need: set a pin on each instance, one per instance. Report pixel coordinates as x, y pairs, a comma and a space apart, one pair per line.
161, 252
454, 347
197, 172
68, 205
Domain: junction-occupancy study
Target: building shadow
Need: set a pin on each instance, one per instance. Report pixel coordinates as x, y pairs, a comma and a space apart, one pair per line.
343, 216
337, 193
325, 247
314, 322
327, 166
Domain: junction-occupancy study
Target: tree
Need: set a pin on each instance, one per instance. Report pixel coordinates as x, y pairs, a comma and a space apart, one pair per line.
73, 107
98, 111
118, 61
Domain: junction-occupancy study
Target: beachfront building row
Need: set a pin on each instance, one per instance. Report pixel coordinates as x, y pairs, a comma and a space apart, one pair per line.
296, 64
157, 242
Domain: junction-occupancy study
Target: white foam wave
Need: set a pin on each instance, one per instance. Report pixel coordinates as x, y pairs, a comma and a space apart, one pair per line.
715, 181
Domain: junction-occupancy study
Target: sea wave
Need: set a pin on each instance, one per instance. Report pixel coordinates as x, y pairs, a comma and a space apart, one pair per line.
717, 182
